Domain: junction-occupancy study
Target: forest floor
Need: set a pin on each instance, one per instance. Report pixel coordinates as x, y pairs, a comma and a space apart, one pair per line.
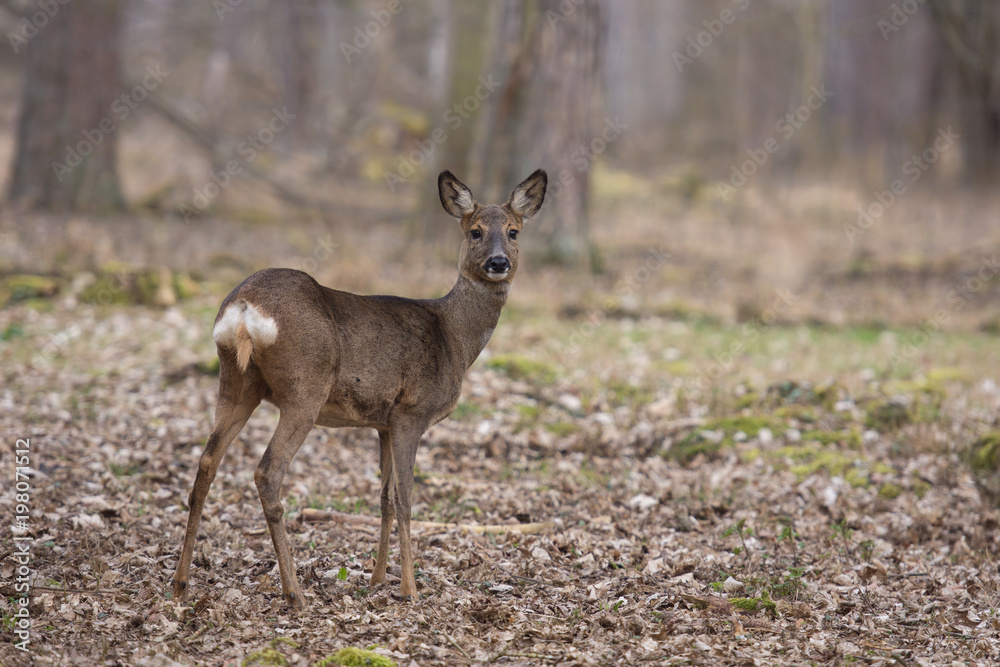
728, 467
809, 508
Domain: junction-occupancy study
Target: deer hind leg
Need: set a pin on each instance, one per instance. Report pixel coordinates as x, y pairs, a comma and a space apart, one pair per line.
296, 420
236, 404
387, 504
405, 438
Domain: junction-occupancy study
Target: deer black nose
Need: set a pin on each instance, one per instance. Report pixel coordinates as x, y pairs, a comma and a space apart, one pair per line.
497, 264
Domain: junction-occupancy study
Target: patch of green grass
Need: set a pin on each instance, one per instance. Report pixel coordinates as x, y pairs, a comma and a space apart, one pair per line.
518, 367
866, 335
13, 330
465, 410
119, 470
790, 585
562, 428
7, 622
628, 394
851, 438
529, 416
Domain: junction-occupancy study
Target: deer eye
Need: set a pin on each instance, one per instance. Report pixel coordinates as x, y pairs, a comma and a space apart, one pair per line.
512, 234
476, 234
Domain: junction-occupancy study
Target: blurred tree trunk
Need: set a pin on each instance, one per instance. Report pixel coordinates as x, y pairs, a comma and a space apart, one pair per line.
300, 68
971, 29
66, 141
557, 129
492, 155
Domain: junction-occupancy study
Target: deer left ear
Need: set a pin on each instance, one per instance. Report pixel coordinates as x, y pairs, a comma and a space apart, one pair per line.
455, 197
527, 197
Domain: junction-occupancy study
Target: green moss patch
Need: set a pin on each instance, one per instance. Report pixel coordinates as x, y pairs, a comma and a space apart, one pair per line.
717, 435
890, 491
888, 415
356, 657
27, 287
808, 459
753, 605
986, 453
984, 459
124, 285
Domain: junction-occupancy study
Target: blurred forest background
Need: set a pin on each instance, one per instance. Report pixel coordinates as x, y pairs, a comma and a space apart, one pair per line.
752, 340
764, 143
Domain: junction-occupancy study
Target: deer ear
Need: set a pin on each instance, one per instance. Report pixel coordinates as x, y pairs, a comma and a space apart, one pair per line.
527, 197
455, 197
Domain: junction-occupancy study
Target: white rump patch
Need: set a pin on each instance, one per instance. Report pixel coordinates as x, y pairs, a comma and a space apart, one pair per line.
263, 330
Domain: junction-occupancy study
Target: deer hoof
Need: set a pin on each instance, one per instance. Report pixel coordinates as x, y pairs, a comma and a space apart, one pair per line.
180, 590
296, 600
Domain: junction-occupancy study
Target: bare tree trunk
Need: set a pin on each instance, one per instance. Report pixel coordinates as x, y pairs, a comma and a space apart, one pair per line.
430, 226
66, 141
972, 31
300, 67
557, 126
492, 152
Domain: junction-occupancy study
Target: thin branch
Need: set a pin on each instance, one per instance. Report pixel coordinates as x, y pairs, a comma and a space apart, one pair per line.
949, 18
201, 137
309, 514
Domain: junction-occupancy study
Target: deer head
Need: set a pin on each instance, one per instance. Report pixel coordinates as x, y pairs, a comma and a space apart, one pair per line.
489, 249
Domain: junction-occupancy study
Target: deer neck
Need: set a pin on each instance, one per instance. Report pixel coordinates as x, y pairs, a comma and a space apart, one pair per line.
470, 312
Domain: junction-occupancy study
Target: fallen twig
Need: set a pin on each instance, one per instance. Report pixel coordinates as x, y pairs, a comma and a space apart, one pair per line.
313, 515
456, 645
72, 590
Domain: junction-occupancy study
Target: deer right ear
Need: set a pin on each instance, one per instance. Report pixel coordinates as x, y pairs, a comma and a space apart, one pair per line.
455, 197
527, 197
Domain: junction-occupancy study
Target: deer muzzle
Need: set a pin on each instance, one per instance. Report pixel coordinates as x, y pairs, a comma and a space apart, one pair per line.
497, 267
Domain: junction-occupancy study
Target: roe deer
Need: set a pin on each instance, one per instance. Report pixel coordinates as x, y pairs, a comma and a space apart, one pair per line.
338, 359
